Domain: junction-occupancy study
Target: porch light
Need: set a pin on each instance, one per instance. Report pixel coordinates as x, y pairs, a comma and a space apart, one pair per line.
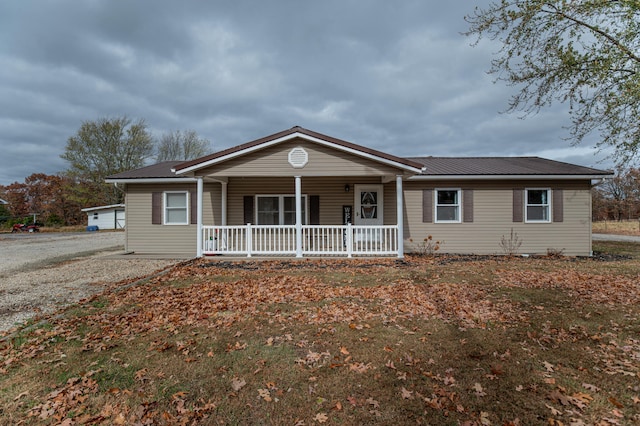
347, 188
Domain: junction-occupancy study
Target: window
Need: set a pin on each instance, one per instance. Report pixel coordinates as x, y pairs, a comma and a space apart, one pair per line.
279, 209
176, 211
95, 216
537, 205
447, 205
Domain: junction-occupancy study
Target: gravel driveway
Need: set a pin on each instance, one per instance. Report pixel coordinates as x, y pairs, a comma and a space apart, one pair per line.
41, 273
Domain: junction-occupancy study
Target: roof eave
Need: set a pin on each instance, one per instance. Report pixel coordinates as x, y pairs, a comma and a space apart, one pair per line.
152, 180
112, 206
509, 177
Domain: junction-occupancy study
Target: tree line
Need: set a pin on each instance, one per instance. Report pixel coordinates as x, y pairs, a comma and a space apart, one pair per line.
99, 148
618, 198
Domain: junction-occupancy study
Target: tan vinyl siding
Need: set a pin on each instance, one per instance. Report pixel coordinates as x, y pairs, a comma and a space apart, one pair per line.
330, 189
323, 161
493, 206
143, 237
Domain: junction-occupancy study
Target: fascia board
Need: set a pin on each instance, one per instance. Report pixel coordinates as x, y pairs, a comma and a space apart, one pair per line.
152, 180
293, 136
508, 177
112, 206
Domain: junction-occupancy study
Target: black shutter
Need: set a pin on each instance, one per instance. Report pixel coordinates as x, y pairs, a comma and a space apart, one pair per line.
248, 209
518, 205
558, 207
193, 206
156, 208
314, 210
427, 205
467, 205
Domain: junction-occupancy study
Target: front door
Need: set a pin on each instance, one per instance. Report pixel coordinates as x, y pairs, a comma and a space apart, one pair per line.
369, 206
368, 212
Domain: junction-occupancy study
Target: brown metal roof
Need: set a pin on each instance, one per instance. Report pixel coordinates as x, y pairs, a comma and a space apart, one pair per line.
154, 171
433, 166
510, 166
301, 130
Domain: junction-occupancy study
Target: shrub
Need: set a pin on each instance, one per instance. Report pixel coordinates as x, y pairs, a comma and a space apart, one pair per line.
510, 246
428, 246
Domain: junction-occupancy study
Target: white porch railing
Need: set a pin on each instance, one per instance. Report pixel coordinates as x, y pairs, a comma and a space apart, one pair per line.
317, 240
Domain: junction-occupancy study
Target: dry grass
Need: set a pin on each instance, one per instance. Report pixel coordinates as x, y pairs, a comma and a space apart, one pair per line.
433, 340
624, 227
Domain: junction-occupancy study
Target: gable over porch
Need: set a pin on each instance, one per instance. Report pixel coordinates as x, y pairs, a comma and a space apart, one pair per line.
302, 193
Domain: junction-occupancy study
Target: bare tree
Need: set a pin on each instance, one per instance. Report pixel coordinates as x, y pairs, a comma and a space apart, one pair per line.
181, 145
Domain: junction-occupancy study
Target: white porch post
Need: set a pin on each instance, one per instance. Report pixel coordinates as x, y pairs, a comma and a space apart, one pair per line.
199, 217
223, 204
400, 214
298, 216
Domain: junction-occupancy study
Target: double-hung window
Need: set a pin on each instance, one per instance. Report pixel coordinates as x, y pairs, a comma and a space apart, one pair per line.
279, 209
176, 210
537, 205
448, 205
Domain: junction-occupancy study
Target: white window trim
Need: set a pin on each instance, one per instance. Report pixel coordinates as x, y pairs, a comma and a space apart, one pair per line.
436, 205
526, 204
281, 207
164, 208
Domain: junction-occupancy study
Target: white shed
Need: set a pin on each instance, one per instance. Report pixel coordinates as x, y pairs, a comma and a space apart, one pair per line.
106, 217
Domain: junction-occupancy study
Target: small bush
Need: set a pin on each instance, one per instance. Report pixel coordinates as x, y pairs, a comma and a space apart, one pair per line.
555, 253
510, 246
427, 247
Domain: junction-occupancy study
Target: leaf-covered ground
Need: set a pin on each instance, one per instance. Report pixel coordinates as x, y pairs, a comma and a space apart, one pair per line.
429, 340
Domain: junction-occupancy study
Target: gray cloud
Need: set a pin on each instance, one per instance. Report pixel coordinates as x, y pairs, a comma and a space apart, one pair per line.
396, 76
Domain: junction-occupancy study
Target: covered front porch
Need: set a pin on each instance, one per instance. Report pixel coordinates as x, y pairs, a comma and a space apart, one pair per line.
316, 240
302, 193
301, 231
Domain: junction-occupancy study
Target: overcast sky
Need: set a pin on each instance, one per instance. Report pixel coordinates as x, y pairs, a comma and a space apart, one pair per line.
392, 75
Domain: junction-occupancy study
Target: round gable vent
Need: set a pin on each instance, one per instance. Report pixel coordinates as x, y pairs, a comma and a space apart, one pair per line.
298, 157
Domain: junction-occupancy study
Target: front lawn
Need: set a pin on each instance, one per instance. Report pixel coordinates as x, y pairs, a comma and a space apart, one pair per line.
429, 340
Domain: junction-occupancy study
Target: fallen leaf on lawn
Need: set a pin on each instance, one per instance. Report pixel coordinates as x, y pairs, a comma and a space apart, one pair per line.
519, 388
237, 383
548, 366
497, 369
592, 388
617, 413
406, 394
140, 374
615, 402
557, 396
321, 418
20, 396
264, 394
373, 402
484, 418
338, 406
359, 367
344, 351
477, 387
554, 411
